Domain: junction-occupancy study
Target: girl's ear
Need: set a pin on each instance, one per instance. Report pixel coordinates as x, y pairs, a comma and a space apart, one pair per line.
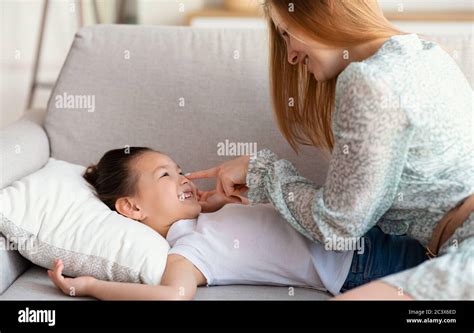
128, 208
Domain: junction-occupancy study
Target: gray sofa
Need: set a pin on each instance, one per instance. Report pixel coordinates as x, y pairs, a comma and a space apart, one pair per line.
180, 90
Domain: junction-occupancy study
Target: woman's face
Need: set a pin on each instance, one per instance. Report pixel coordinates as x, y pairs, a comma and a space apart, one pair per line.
164, 195
323, 61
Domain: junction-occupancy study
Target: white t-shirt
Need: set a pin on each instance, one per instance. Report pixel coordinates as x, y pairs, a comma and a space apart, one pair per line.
243, 244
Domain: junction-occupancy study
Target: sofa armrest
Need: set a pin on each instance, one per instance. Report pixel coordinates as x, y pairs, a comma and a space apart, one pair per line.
24, 147
12, 264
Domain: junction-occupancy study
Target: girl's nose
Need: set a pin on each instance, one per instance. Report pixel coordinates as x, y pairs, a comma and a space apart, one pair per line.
185, 180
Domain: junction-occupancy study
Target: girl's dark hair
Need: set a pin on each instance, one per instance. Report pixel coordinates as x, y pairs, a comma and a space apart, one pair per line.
111, 177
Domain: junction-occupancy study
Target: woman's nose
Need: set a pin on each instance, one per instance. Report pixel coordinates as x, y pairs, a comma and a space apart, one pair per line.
293, 57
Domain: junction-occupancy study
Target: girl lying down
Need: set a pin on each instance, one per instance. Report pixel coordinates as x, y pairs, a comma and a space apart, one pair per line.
232, 243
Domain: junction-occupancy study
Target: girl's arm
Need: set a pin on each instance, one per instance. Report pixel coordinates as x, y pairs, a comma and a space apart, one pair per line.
179, 282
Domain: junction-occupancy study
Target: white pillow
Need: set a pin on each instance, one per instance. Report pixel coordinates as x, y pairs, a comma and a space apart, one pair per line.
53, 213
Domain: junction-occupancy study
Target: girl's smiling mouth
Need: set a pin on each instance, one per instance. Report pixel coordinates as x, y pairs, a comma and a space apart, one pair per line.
185, 195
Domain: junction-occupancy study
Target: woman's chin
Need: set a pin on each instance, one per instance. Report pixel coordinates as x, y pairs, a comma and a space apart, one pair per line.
319, 77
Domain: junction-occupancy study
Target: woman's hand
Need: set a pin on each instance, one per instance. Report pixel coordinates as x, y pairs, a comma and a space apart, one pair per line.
230, 176
70, 286
212, 201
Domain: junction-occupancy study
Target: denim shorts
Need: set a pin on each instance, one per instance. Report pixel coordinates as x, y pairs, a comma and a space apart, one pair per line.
383, 255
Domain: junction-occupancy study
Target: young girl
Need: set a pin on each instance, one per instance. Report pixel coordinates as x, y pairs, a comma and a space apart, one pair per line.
230, 244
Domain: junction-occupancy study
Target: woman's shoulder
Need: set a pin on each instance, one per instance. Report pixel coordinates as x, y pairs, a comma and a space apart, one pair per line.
394, 53
397, 68
362, 82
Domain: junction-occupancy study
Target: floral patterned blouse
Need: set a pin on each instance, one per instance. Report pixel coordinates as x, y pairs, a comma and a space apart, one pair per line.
403, 126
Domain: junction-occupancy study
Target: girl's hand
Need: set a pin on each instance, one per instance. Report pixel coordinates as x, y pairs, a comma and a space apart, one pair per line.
230, 176
79, 286
212, 201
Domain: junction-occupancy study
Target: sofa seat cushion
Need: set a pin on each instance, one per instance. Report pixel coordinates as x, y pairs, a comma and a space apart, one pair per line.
34, 284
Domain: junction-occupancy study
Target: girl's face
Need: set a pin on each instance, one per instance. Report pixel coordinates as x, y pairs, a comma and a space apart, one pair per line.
164, 195
323, 61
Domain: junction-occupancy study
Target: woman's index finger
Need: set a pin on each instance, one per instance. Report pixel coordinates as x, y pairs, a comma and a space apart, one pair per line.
209, 173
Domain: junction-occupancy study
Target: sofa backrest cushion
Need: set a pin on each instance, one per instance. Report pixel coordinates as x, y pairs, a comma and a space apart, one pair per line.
199, 95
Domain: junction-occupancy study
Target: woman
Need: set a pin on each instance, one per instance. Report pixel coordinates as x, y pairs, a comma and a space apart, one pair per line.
395, 112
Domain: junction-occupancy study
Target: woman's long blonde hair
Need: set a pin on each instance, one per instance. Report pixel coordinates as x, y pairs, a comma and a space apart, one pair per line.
302, 105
